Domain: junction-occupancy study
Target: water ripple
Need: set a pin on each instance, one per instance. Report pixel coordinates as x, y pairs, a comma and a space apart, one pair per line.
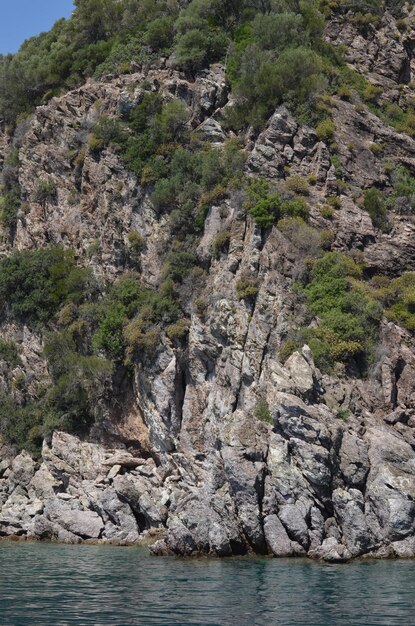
46, 584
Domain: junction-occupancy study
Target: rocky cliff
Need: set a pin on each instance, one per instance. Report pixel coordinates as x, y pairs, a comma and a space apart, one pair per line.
220, 444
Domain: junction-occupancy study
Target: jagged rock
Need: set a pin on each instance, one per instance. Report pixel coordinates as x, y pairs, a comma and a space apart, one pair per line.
135, 491
43, 528
354, 462
85, 524
349, 507
123, 459
43, 484
180, 541
22, 470
78, 457
276, 537
332, 551
212, 131
301, 375
293, 519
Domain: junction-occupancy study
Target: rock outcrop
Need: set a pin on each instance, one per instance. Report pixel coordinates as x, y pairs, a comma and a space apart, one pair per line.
186, 464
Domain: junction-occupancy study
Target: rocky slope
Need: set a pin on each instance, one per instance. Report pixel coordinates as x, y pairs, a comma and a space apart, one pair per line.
181, 457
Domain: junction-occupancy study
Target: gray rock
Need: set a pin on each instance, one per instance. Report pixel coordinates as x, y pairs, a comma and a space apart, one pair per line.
276, 537
292, 516
85, 524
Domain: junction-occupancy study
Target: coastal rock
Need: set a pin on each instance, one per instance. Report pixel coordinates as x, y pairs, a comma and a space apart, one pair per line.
85, 524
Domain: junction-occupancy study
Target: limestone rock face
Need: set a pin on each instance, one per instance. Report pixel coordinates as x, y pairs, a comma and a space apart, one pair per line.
223, 448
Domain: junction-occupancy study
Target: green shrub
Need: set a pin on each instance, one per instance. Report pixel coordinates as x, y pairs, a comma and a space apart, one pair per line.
288, 347
141, 340
398, 296
343, 414
160, 32
334, 202
376, 148
304, 238
21, 425
200, 306
325, 130
266, 79
298, 185
9, 353
374, 203
179, 330
179, 265
136, 244
10, 204
264, 203
247, 287
349, 316
371, 93
35, 283
402, 198
296, 207
327, 212
79, 382
220, 243
165, 194
344, 92
109, 337
327, 238
46, 191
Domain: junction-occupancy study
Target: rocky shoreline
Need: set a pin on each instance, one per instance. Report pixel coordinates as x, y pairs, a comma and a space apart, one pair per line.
310, 484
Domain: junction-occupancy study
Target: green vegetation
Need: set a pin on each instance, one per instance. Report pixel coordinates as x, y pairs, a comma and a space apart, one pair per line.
22, 425
9, 206
266, 205
287, 348
45, 192
398, 298
247, 287
220, 243
402, 198
9, 353
275, 52
262, 412
79, 383
349, 317
90, 333
343, 414
34, 284
10, 198
327, 212
183, 174
348, 314
298, 185
325, 130
374, 203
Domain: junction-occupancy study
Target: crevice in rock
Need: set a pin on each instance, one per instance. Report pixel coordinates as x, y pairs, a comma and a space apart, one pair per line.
397, 373
180, 390
404, 76
242, 379
264, 354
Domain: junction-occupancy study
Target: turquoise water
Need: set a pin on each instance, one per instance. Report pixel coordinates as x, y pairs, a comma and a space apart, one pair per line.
46, 584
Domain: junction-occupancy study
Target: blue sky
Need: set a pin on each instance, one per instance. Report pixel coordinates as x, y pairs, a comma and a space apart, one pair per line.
21, 19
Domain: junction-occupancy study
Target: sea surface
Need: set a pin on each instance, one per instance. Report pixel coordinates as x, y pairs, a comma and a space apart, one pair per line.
53, 585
